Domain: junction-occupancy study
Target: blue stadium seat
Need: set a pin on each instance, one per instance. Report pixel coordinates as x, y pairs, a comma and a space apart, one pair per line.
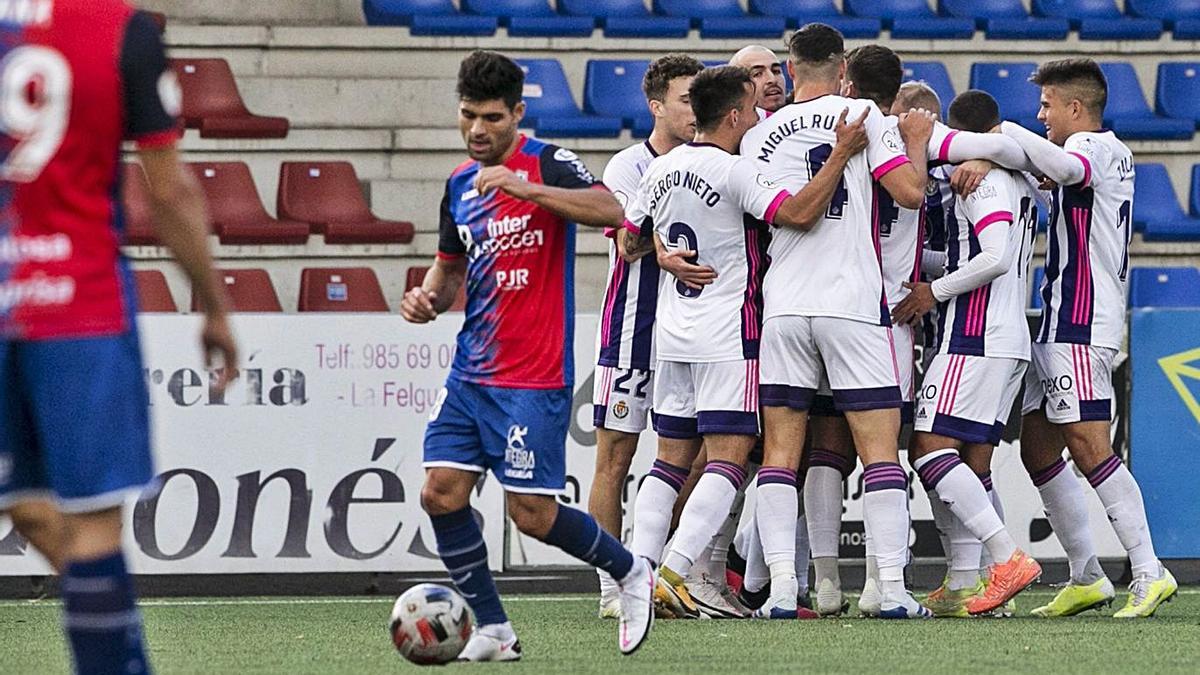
427, 17
1181, 16
532, 18
1194, 199
1099, 19
799, 12
626, 18
1005, 19
1177, 92
1035, 295
550, 108
1009, 84
614, 89
934, 74
722, 18
1156, 210
1164, 287
1128, 114
911, 19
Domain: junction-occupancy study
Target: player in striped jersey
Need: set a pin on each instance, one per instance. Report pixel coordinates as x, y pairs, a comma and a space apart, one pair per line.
983, 351
624, 379
1069, 389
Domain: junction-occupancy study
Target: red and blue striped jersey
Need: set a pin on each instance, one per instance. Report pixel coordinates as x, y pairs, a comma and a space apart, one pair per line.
80, 76
519, 328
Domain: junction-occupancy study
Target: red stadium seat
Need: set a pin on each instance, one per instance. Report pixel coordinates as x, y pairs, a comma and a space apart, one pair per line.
152, 292
340, 289
327, 195
135, 201
249, 291
416, 276
237, 213
212, 104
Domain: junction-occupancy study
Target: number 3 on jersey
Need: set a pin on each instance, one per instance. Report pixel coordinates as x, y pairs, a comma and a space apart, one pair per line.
681, 235
35, 102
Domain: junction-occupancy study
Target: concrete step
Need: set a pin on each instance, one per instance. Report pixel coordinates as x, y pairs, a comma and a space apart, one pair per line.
320, 12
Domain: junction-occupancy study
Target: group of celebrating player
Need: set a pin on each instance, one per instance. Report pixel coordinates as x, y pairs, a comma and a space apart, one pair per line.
771, 262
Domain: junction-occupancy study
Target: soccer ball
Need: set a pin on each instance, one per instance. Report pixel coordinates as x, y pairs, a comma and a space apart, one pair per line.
430, 624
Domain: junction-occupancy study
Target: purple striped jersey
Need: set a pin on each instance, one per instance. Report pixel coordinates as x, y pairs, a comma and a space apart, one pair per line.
1087, 259
901, 238
703, 199
625, 337
939, 210
990, 320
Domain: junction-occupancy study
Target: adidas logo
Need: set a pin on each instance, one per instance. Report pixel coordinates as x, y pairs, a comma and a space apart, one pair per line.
921, 414
1062, 405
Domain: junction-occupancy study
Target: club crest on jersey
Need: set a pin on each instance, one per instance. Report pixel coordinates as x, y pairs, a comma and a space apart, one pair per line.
519, 461
620, 410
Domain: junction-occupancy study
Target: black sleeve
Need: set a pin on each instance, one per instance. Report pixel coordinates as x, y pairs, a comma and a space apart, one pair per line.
450, 245
143, 64
563, 168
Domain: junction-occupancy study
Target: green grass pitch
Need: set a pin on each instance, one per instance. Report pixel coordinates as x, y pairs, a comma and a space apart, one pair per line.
561, 634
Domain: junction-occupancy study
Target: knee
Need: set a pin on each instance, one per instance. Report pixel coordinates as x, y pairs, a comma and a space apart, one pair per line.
532, 514
439, 498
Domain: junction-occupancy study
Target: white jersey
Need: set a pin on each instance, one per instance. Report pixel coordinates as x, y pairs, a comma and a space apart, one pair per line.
901, 238
625, 337
834, 269
706, 200
1087, 260
990, 320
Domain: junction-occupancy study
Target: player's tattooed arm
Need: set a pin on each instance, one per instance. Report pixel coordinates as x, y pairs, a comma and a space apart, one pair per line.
633, 247
805, 209
595, 207
437, 292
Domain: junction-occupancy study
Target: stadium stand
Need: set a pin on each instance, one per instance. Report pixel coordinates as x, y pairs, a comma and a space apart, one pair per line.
327, 196
1164, 287
212, 103
800, 12
1177, 91
911, 19
427, 17
722, 18
340, 289
237, 213
531, 18
1156, 210
613, 88
1099, 19
1182, 17
934, 74
416, 276
1194, 197
152, 292
1129, 115
551, 109
1035, 295
1009, 84
135, 200
1006, 19
249, 290
627, 18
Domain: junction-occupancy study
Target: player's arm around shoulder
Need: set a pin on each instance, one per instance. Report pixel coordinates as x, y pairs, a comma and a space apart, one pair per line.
905, 180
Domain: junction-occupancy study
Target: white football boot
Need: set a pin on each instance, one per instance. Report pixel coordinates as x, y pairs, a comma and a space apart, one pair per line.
637, 606
495, 642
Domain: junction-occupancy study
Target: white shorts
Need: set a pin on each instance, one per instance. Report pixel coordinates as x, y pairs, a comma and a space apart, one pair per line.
859, 359
691, 399
968, 397
621, 398
1073, 383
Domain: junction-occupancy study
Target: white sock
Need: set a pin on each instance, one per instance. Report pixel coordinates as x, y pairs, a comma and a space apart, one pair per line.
652, 517
776, 511
869, 553
885, 508
608, 586
720, 543
823, 510
801, 562
943, 521
1122, 500
965, 551
1066, 509
500, 631
757, 575
959, 488
702, 515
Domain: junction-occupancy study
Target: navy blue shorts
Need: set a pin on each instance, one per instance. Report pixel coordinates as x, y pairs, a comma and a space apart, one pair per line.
520, 435
75, 424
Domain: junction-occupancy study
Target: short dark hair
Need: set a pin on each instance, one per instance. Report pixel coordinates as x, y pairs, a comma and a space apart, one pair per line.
816, 43
876, 72
485, 76
715, 92
666, 68
1083, 77
974, 110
